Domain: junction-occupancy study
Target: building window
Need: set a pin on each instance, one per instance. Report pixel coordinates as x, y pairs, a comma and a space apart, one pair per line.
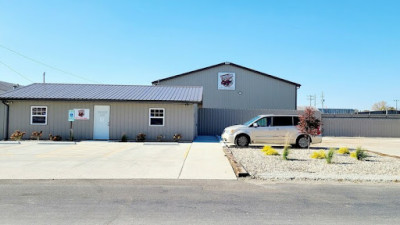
39, 115
156, 116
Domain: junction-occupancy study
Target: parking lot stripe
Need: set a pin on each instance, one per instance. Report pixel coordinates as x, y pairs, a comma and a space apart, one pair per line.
115, 151
184, 160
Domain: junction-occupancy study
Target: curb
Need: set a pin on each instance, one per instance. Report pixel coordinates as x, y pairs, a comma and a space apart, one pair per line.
238, 169
56, 143
9, 142
383, 154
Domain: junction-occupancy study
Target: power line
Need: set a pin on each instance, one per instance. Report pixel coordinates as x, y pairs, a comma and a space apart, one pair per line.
47, 65
10, 68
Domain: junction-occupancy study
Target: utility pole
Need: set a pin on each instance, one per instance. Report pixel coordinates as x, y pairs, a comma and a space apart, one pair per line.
315, 101
396, 100
44, 77
322, 100
311, 98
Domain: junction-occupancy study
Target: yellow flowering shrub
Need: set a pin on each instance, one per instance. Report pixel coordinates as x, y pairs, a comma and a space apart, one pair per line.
343, 150
268, 150
318, 154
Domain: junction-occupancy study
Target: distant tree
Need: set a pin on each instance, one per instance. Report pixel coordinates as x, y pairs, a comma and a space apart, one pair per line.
309, 124
380, 106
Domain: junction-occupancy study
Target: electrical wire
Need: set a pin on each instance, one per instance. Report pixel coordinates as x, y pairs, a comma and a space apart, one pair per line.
10, 68
47, 65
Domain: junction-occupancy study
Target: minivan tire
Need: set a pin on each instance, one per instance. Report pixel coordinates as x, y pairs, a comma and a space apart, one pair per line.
303, 141
242, 141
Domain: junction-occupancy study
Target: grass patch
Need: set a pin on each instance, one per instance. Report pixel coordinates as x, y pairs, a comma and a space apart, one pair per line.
359, 154
329, 156
285, 152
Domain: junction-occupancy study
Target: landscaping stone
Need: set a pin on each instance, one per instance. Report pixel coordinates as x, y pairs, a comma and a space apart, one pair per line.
301, 166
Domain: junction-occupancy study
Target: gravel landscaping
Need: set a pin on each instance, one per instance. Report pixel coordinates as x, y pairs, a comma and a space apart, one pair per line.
301, 166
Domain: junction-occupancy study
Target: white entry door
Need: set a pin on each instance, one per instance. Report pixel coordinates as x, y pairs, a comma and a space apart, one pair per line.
101, 127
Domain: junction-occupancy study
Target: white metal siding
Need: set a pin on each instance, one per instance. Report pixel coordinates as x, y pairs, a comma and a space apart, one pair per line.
130, 118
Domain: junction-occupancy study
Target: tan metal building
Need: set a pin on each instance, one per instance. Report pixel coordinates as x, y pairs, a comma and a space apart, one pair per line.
228, 85
4, 87
103, 111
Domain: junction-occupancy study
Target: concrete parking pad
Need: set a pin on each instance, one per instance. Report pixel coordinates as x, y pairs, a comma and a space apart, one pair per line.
114, 160
388, 146
91, 160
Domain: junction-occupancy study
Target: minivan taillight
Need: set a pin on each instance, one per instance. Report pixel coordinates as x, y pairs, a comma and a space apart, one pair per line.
319, 130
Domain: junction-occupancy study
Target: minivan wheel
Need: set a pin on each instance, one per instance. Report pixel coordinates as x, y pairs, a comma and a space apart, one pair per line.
303, 141
242, 141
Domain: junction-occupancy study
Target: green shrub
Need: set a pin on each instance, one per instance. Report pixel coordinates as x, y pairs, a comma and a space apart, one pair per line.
359, 154
343, 151
329, 156
318, 154
268, 150
285, 152
124, 138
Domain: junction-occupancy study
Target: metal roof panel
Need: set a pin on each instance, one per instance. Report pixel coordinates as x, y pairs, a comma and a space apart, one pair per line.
50, 91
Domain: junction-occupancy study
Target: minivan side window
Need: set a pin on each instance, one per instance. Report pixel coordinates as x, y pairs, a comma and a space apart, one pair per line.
264, 122
283, 121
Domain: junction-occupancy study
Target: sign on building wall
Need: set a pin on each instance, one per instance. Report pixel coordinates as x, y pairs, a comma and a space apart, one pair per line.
226, 81
81, 114
71, 115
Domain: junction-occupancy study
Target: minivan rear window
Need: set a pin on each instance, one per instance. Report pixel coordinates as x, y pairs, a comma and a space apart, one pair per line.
283, 121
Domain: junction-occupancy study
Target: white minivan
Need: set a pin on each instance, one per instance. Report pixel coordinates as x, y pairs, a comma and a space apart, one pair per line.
269, 129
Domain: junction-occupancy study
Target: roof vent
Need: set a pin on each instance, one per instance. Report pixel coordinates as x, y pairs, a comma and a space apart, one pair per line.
227, 63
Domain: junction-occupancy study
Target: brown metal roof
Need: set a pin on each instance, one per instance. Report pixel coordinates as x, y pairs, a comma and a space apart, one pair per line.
226, 63
81, 92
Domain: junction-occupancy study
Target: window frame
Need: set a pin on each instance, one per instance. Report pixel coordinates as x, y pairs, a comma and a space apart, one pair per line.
157, 117
45, 116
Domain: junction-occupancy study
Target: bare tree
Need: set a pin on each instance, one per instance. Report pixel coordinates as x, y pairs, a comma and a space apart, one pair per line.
380, 106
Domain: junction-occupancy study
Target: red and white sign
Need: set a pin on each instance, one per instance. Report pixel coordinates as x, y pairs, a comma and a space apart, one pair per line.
82, 114
226, 81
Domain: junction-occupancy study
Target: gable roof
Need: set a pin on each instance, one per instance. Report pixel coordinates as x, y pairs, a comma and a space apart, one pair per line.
81, 92
5, 86
225, 63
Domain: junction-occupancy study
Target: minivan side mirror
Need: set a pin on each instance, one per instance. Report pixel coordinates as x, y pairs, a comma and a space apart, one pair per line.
255, 125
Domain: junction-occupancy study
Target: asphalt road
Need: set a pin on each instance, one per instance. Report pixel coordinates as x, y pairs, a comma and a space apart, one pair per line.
195, 202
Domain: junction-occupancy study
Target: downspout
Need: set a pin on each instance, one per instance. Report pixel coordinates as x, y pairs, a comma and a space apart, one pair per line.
7, 120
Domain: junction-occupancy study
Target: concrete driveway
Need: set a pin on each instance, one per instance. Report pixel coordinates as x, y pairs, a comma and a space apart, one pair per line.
113, 160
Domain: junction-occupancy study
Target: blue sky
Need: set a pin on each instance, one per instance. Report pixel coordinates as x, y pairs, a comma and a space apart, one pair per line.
350, 50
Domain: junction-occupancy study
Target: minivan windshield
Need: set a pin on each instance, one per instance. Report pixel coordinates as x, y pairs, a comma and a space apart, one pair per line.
248, 123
